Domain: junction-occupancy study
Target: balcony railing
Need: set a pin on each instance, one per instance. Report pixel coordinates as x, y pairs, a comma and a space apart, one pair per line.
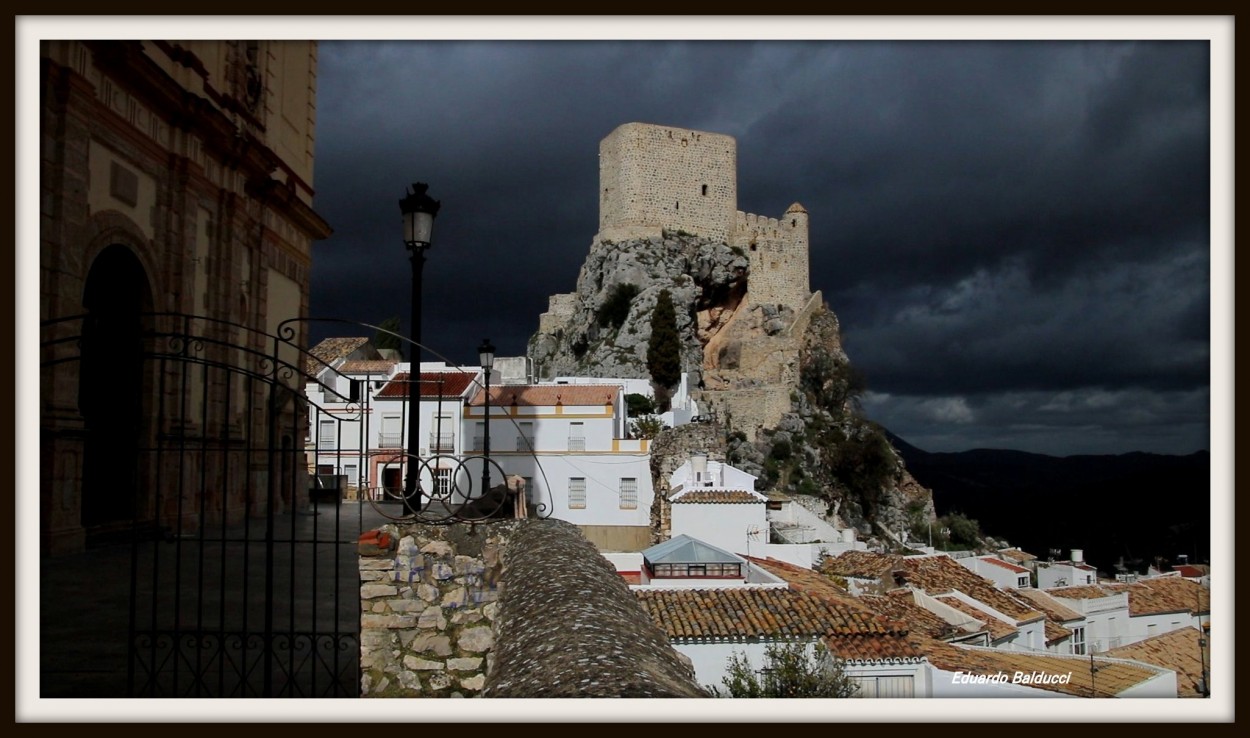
524, 443
577, 444
390, 440
442, 441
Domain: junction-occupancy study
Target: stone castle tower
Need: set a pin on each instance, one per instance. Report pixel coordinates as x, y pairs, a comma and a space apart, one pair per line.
656, 178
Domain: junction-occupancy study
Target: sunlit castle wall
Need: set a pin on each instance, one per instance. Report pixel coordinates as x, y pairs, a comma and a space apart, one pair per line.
653, 178
778, 249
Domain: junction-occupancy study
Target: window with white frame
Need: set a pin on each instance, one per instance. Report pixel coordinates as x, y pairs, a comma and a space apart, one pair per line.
442, 438
1078, 641
577, 492
1022, 581
442, 482
351, 471
389, 435
325, 434
629, 493
577, 436
525, 436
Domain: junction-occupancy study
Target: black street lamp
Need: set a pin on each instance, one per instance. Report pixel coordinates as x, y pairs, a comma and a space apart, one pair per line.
419, 210
486, 357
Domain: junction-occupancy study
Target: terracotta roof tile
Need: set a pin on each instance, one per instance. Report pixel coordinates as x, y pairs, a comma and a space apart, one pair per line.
1178, 651
1006, 565
453, 384
900, 605
998, 629
1082, 592
1055, 632
727, 496
330, 349
938, 574
1167, 594
549, 395
777, 614
808, 580
1053, 609
1016, 555
862, 564
368, 366
1112, 677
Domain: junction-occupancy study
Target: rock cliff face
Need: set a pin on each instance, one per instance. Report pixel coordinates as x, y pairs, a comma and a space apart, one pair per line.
776, 378
579, 336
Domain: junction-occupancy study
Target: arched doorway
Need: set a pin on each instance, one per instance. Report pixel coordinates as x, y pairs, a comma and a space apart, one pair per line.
110, 390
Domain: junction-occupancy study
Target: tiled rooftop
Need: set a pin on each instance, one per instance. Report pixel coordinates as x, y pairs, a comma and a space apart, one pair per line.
938, 574
774, 613
453, 384
1006, 565
722, 496
1016, 555
549, 395
329, 350
368, 366
900, 605
998, 629
1052, 608
1081, 592
811, 582
1177, 650
1167, 594
1111, 678
1055, 632
862, 564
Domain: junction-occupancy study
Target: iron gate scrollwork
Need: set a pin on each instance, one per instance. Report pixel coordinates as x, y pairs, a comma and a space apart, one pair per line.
241, 584
221, 453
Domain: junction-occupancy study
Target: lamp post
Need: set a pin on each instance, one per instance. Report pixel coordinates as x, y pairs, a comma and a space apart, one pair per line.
419, 210
486, 357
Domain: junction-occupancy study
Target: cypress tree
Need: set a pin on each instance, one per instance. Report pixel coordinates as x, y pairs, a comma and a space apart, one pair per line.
664, 346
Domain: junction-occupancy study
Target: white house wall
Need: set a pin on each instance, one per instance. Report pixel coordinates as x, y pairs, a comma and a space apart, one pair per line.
550, 474
551, 429
1141, 627
727, 526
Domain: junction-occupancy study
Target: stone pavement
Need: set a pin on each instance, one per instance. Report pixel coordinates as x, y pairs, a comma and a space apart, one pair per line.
84, 599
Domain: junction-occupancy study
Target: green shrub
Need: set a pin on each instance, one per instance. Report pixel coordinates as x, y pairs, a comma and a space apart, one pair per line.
615, 309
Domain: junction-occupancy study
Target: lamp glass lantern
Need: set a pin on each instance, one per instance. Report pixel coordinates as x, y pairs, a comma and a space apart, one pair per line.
419, 211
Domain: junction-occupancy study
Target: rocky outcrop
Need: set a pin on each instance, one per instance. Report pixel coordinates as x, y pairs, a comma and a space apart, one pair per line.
578, 336
774, 376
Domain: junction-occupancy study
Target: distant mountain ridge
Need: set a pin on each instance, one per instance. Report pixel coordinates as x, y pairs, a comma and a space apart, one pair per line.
1135, 506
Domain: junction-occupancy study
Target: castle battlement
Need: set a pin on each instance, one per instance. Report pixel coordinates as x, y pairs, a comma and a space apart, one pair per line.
656, 178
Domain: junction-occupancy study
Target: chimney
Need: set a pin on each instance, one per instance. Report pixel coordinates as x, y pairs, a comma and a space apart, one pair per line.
1078, 556
698, 467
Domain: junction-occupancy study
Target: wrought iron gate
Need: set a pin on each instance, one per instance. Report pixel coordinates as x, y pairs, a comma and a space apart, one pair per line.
193, 435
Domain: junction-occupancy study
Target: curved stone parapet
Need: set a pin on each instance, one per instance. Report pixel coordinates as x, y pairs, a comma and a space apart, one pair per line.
568, 625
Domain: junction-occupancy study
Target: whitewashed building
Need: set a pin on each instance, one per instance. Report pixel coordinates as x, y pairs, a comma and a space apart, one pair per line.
569, 443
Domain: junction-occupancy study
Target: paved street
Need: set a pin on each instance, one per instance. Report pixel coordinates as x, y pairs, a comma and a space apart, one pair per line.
217, 587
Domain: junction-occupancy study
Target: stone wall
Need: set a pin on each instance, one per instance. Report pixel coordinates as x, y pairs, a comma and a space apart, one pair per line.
569, 626
659, 177
428, 599
518, 608
749, 410
778, 249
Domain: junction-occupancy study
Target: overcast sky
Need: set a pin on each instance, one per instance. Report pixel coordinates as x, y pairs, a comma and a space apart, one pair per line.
1014, 235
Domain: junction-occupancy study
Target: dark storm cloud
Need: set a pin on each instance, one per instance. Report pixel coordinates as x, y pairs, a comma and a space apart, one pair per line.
988, 218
